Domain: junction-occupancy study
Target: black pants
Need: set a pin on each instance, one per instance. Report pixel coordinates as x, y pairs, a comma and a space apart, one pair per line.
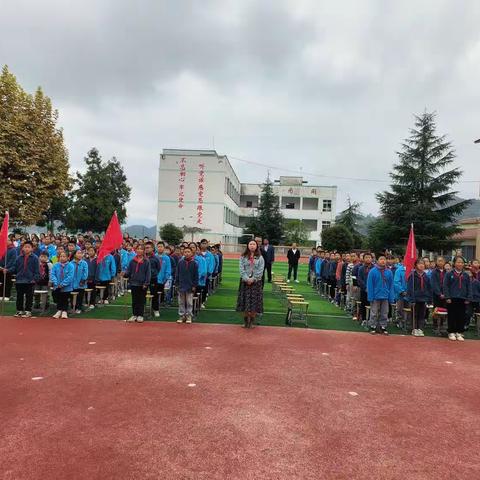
268, 269
8, 285
202, 290
106, 284
333, 286
294, 267
24, 292
61, 299
154, 288
138, 300
419, 309
93, 295
79, 303
364, 304
456, 315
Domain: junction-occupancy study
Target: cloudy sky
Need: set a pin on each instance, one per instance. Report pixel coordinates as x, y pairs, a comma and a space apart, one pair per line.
326, 88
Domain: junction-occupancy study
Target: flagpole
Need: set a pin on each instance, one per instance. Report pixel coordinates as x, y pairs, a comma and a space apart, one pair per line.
4, 290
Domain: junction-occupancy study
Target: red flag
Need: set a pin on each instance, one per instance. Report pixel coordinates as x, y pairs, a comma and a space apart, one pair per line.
113, 238
4, 237
410, 254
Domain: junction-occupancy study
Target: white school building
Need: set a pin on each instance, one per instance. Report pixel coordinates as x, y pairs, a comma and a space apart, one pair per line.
199, 188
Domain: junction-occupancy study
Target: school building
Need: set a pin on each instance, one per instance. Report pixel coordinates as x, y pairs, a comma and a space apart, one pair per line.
200, 190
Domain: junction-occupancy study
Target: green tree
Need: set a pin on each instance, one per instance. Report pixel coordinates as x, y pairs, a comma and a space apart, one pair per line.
349, 218
337, 237
33, 158
98, 192
193, 230
56, 212
295, 231
269, 221
421, 194
171, 234
380, 236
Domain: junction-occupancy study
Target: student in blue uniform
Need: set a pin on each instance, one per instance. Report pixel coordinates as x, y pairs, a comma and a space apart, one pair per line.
105, 273
80, 277
62, 284
27, 273
380, 295
419, 293
458, 293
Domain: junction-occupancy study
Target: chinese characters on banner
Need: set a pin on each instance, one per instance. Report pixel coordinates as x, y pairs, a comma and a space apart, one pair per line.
201, 190
181, 182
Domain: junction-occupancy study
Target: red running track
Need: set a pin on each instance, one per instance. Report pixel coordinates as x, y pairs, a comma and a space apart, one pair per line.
271, 403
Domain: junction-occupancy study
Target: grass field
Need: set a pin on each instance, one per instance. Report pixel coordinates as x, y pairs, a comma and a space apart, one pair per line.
221, 306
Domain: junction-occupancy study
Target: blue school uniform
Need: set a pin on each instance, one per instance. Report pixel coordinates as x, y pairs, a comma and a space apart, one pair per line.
138, 273
126, 257
202, 269
62, 276
9, 262
457, 285
187, 275
165, 272
380, 285
106, 269
80, 274
210, 262
27, 269
419, 288
399, 282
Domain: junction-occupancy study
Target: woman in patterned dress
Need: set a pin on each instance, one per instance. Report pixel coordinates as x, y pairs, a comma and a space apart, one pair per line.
250, 291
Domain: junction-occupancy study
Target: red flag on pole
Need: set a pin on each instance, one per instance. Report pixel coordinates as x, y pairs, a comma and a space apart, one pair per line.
113, 238
410, 254
4, 236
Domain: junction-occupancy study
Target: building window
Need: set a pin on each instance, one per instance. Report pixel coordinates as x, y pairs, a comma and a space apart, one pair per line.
326, 224
249, 204
290, 206
327, 205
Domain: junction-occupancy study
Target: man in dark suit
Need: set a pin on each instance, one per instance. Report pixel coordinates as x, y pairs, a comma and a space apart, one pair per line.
293, 256
268, 254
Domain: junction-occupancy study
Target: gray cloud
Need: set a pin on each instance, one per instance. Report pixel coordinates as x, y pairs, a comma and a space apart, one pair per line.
328, 87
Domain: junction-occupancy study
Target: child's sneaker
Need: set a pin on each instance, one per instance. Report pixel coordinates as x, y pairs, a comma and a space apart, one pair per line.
78, 312
132, 319
460, 337
64, 315
91, 307
420, 333
156, 313
384, 331
373, 331
452, 336
58, 314
180, 320
27, 315
19, 314
189, 319
105, 302
6, 299
415, 332
139, 319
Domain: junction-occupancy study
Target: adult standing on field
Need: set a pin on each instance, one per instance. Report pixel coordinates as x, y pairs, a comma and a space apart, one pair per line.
293, 257
250, 291
268, 254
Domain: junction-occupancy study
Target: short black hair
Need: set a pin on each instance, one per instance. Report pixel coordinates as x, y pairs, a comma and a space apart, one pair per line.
28, 242
149, 243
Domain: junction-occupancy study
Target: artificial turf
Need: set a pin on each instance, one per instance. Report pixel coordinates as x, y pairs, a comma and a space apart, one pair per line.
220, 307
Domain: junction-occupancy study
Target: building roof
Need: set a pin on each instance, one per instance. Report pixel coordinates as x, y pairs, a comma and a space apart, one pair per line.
181, 151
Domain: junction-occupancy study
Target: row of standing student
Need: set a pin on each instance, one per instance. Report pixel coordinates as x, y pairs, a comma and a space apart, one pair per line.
33, 272
383, 283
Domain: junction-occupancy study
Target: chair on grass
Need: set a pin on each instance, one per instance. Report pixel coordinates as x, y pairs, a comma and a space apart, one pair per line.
42, 296
73, 298
88, 295
148, 314
297, 312
101, 293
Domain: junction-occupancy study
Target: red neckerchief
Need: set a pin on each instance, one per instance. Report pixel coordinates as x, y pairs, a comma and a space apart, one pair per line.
25, 261
62, 273
459, 276
382, 272
138, 262
421, 276
442, 274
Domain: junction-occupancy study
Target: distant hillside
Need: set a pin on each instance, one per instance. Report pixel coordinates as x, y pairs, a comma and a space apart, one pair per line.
140, 231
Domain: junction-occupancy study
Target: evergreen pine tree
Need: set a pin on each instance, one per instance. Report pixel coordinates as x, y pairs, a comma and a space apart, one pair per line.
349, 219
269, 222
421, 190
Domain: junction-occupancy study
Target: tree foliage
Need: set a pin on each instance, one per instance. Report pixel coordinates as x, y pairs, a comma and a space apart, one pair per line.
33, 157
171, 234
56, 212
349, 218
98, 192
380, 236
269, 221
421, 190
337, 237
295, 231
187, 230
